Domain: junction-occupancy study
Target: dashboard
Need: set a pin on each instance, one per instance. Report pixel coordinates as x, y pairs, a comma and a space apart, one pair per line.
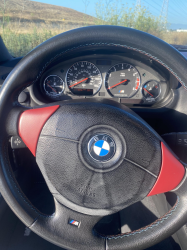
166, 112
122, 78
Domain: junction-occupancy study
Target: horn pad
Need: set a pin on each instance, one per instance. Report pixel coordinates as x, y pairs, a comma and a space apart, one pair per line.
88, 154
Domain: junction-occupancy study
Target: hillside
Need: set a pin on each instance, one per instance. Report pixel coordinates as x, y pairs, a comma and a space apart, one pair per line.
31, 11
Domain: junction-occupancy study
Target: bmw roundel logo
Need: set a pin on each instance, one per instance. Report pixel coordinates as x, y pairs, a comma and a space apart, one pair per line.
101, 147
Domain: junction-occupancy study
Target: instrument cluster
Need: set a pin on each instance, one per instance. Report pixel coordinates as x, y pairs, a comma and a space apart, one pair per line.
121, 78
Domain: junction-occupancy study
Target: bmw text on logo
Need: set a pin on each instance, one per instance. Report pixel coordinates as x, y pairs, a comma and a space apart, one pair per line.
101, 147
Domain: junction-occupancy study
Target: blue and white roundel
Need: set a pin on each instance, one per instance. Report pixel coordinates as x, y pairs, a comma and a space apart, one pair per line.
101, 148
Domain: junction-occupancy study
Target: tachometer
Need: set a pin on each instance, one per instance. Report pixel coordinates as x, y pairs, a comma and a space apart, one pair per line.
84, 78
53, 86
122, 80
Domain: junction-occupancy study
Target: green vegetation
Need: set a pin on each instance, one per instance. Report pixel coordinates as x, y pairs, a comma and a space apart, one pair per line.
116, 13
20, 37
19, 44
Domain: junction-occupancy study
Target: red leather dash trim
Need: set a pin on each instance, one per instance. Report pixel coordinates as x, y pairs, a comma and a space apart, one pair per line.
171, 173
31, 123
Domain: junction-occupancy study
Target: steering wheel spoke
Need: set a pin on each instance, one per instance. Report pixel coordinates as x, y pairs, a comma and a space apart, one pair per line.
72, 230
11, 118
171, 173
31, 123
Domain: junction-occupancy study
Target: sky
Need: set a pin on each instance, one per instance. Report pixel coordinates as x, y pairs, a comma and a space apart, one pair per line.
177, 9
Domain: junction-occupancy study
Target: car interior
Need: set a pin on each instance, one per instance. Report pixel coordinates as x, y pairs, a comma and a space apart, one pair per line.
94, 84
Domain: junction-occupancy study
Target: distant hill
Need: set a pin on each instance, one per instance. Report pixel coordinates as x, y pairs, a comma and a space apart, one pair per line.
25, 10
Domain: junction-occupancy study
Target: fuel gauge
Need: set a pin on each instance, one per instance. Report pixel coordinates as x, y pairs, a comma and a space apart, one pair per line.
151, 90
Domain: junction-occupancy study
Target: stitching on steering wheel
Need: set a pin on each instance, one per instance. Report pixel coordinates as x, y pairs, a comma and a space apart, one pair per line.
144, 229
18, 189
99, 44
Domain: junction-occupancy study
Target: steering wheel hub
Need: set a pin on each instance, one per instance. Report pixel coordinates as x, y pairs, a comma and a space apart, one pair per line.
90, 166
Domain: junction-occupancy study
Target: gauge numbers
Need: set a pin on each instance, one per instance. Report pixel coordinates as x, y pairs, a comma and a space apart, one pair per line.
122, 80
84, 78
53, 86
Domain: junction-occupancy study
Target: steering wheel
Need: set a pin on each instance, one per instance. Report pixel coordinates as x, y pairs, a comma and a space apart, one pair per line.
65, 137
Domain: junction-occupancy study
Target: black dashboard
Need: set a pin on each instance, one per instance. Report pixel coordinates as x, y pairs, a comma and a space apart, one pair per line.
123, 78
138, 82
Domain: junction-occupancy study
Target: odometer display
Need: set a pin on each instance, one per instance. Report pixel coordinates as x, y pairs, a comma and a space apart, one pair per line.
83, 91
122, 80
84, 78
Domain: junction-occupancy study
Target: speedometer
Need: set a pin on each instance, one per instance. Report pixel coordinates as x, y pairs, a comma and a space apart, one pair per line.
84, 78
122, 80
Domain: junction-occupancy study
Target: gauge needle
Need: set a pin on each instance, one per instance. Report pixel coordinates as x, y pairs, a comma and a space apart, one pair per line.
117, 84
78, 82
148, 92
51, 87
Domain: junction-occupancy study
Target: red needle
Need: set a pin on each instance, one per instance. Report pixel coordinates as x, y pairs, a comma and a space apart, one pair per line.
148, 92
78, 82
51, 87
117, 84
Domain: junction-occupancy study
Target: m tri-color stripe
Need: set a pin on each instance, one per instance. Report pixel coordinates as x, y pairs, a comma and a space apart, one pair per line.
74, 223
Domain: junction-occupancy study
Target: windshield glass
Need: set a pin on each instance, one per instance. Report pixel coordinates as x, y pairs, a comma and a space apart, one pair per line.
24, 23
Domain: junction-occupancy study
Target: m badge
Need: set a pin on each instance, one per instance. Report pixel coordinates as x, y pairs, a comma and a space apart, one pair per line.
74, 223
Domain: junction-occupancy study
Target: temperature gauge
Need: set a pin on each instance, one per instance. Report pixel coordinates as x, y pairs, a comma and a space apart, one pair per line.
53, 86
151, 90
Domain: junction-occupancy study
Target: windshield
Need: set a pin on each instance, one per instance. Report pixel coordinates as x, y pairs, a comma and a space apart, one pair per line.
24, 23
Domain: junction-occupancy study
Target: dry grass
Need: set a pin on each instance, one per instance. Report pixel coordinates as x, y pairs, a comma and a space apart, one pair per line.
20, 39
25, 24
29, 23
174, 37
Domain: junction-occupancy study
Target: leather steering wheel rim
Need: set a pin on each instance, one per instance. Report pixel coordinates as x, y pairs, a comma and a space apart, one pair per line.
28, 71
